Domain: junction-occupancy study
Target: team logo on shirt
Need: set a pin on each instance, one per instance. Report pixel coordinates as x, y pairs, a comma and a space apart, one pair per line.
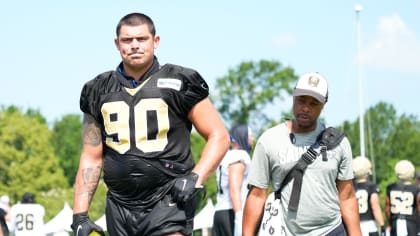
169, 83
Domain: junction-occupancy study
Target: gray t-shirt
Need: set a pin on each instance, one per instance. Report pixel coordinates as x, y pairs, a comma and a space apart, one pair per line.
274, 155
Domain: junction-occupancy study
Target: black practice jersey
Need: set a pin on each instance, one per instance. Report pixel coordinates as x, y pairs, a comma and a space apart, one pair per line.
145, 130
364, 190
403, 201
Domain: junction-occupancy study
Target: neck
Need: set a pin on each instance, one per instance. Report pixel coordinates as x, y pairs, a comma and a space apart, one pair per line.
361, 180
136, 71
406, 182
296, 128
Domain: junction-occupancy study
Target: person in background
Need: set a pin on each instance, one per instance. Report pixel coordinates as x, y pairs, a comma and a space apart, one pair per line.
402, 206
324, 203
4, 215
231, 182
137, 122
367, 194
27, 217
418, 178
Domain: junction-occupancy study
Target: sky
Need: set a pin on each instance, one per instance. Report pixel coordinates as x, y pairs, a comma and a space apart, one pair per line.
49, 49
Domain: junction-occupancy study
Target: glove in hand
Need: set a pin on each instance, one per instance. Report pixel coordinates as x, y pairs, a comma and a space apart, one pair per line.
184, 188
83, 226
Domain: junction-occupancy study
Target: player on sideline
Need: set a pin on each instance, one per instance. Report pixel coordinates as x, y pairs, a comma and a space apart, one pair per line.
367, 194
402, 205
27, 217
136, 129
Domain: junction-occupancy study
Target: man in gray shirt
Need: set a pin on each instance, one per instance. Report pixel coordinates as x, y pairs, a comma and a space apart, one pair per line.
327, 205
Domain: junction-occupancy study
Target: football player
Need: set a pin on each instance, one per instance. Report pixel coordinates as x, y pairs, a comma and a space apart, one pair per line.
403, 201
27, 217
367, 193
137, 124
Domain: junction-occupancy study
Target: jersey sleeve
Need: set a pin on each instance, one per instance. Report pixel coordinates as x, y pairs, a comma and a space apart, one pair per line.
89, 98
195, 88
374, 188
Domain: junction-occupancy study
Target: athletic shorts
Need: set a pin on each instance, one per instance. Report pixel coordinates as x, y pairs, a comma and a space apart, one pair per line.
223, 223
403, 227
165, 217
369, 227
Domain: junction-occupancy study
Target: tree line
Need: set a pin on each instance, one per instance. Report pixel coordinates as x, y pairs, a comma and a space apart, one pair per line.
43, 158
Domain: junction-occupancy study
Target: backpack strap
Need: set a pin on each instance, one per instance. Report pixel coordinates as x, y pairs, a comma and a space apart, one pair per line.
328, 139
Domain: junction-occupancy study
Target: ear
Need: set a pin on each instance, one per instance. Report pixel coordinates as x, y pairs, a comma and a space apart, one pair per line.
156, 41
116, 43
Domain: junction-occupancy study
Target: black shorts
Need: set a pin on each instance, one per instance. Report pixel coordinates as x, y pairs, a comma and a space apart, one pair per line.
223, 223
411, 227
165, 217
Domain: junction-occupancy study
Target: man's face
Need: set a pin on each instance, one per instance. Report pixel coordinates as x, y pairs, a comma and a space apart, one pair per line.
306, 110
137, 46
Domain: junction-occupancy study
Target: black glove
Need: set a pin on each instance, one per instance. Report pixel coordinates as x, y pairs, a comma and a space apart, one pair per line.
83, 226
184, 188
383, 231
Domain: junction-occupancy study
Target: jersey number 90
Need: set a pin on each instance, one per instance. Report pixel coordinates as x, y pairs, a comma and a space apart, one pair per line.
117, 123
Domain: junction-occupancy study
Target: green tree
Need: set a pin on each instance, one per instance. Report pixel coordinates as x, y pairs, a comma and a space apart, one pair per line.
389, 139
245, 92
67, 143
28, 163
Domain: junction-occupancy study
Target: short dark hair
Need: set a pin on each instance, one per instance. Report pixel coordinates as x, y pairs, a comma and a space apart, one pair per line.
134, 19
28, 198
239, 135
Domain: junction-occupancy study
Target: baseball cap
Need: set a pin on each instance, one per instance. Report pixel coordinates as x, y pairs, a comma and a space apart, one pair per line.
312, 84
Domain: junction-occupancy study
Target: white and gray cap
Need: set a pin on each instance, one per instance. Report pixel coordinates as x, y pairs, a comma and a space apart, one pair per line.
312, 84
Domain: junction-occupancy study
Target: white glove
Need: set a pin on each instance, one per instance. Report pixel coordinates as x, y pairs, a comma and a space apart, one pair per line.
238, 224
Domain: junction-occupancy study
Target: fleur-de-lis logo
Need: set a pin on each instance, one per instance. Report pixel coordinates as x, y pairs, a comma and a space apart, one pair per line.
313, 81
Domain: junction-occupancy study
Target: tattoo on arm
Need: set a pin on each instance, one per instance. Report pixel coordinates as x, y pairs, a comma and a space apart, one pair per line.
91, 135
91, 131
90, 181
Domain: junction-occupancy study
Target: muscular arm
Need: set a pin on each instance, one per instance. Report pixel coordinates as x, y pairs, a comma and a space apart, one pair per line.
376, 208
90, 165
253, 212
236, 173
388, 210
349, 207
208, 123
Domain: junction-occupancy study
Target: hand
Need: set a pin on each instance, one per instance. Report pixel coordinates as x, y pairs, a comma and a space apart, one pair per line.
383, 231
83, 226
184, 188
238, 223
